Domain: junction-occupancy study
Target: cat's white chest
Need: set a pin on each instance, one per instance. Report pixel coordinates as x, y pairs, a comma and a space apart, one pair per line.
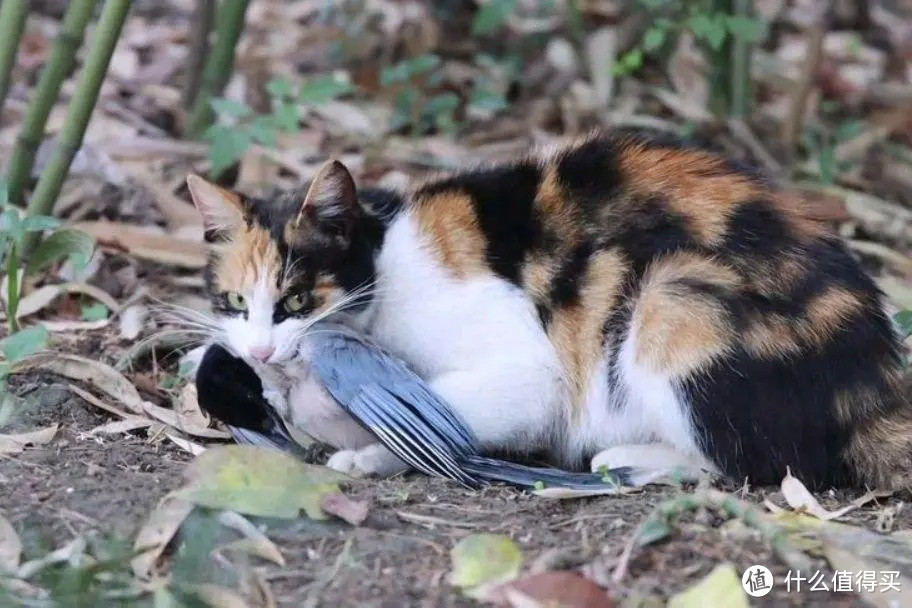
442, 323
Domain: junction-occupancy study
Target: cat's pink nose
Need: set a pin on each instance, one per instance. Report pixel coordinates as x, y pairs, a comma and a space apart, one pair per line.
261, 353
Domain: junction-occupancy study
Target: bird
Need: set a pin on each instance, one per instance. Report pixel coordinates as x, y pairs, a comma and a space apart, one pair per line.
389, 399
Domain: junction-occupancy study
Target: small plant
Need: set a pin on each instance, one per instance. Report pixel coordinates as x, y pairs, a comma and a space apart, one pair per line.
59, 245
239, 127
414, 108
821, 143
722, 32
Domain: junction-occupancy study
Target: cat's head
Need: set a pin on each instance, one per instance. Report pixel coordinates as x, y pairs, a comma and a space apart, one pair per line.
278, 265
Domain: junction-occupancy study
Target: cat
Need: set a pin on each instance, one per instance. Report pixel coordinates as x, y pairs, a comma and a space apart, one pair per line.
621, 300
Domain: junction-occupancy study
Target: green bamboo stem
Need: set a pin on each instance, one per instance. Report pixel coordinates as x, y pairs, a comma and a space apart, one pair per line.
58, 66
200, 28
229, 25
741, 66
12, 24
104, 39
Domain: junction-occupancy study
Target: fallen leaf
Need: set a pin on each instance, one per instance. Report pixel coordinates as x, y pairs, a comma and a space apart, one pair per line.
160, 527
254, 542
10, 546
186, 425
139, 242
186, 445
217, 596
721, 587
126, 425
188, 409
482, 560
16, 442
69, 326
343, 507
559, 589
857, 550
131, 321
257, 481
100, 375
800, 499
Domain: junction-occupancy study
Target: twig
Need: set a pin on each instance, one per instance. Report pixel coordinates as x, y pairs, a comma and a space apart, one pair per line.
230, 24
743, 133
58, 66
104, 40
794, 121
12, 23
200, 28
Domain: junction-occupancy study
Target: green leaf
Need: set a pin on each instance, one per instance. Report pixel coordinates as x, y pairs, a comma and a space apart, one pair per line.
263, 130
709, 28
903, 322
72, 244
230, 108
38, 223
95, 312
630, 62
485, 99
484, 559
323, 89
849, 129
654, 38
442, 104
227, 145
721, 587
653, 530
492, 16
24, 342
279, 87
258, 481
747, 28
285, 116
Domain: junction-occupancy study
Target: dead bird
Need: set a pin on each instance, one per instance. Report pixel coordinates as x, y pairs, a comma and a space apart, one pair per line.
622, 301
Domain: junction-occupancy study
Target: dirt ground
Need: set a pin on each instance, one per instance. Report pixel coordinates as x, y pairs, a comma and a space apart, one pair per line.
78, 485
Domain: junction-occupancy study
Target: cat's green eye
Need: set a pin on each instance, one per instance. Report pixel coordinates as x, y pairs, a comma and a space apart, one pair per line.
236, 301
295, 302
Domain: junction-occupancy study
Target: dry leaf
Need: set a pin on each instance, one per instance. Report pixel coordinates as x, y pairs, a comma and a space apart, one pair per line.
131, 321
139, 242
185, 444
15, 443
721, 587
254, 541
70, 326
551, 590
343, 507
800, 499
161, 526
100, 375
131, 423
217, 596
173, 419
10, 546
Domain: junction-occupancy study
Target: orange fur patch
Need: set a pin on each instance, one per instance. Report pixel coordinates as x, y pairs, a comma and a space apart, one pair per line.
695, 183
245, 259
576, 331
448, 220
678, 331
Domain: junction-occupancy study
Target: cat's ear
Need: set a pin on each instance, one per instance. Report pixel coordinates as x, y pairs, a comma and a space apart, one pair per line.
222, 210
331, 205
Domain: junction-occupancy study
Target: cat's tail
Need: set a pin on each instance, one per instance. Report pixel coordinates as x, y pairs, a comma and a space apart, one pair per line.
879, 450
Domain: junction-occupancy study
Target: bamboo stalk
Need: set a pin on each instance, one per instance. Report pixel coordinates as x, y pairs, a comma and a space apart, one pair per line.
58, 66
741, 66
200, 28
12, 24
104, 39
229, 25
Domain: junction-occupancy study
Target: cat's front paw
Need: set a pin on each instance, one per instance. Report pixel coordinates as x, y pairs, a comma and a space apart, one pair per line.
373, 460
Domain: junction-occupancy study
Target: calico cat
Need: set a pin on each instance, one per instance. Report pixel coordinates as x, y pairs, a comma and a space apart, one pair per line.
621, 301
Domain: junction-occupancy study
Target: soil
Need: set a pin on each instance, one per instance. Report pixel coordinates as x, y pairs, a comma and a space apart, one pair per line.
399, 556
